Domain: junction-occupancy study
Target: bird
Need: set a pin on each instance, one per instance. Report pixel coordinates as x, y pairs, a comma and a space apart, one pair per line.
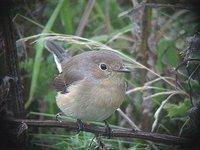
90, 85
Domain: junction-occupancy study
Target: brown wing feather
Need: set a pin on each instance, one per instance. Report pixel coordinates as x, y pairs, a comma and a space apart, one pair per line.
59, 83
63, 80
74, 70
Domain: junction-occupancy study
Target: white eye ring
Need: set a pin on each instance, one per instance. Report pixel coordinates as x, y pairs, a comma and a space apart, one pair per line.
103, 66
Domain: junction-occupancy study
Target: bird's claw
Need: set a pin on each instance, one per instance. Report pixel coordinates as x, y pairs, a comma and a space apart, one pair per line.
108, 129
80, 125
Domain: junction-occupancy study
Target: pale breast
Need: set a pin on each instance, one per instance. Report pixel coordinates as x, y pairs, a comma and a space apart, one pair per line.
90, 101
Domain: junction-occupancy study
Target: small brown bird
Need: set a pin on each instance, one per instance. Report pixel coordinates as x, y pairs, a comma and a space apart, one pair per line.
90, 85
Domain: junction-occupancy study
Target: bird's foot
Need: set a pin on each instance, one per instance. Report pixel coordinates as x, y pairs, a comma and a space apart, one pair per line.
80, 125
108, 129
58, 116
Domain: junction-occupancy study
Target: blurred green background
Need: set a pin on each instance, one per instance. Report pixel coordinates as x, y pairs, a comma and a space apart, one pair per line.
157, 37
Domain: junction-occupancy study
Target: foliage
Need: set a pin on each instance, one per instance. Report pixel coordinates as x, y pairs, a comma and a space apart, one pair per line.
160, 104
177, 110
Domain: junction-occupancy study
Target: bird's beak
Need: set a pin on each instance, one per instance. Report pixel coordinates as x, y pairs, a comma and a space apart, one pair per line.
123, 70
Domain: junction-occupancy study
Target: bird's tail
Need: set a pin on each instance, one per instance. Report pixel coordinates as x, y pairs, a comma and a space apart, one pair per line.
58, 52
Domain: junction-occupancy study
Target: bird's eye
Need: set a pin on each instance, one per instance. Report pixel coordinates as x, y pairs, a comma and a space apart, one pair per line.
103, 66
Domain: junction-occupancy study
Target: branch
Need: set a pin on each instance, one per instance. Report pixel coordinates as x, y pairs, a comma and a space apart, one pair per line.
126, 133
177, 6
156, 5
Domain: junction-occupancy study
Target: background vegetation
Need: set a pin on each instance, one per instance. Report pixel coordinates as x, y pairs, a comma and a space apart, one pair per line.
157, 37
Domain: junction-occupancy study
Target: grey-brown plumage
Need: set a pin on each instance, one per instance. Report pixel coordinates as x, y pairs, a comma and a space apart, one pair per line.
77, 68
90, 85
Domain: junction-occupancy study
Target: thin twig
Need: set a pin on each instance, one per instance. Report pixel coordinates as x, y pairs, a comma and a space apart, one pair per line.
84, 17
166, 93
144, 88
185, 123
126, 133
156, 80
177, 6
158, 111
135, 127
189, 79
154, 5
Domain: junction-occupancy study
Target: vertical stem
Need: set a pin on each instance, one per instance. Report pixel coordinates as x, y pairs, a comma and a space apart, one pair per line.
146, 28
84, 17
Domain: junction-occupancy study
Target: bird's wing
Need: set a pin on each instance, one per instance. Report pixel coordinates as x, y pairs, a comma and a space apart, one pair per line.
65, 79
58, 52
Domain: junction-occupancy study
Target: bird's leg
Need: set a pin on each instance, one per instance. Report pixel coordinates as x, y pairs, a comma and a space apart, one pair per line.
108, 129
80, 125
58, 116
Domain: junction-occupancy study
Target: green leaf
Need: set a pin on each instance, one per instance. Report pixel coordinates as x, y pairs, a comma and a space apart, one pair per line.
166, 54
177, 110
